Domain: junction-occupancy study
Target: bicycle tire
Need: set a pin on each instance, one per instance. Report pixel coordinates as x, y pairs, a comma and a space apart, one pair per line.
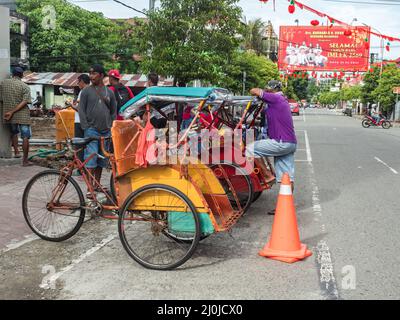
113, 193
27, 215
256, 196
140, 259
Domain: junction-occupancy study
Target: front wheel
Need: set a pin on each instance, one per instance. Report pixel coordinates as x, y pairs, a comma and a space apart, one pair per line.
386, 124
159, 227
366, 123
53, 206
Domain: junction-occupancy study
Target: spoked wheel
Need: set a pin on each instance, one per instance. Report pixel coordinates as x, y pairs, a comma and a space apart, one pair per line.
240, 181
366, 123
159, 227
386, 124
53, 206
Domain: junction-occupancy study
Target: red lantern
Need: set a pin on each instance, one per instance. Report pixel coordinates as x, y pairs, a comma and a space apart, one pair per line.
291, 7
315, 23
347, 32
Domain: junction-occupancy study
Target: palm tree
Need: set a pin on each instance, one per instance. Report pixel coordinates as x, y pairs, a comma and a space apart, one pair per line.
254, 34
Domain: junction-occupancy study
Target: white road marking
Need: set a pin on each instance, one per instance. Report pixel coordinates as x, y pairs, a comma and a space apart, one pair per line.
391, 169
326, 274
304, 115
308, 150
82, 257
15, 245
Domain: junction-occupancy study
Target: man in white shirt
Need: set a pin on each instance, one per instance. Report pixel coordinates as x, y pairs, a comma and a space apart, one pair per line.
292, 59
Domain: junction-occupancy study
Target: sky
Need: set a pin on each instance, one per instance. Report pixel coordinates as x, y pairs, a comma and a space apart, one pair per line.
378, 14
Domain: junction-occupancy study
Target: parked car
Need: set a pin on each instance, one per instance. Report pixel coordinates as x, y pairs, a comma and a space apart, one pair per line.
294, 107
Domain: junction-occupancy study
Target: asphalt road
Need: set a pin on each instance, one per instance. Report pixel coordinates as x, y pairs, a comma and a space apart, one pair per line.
347, 193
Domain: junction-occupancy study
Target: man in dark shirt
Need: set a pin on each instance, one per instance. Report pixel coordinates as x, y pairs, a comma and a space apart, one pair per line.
97, 111
122, 93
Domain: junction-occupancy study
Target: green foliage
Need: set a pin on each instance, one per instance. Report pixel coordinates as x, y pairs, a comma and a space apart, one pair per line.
191, 39
253, 36
370, 83
383, 93
312, 90
297, 86
329, 98
259, 70
351, 93
79, 38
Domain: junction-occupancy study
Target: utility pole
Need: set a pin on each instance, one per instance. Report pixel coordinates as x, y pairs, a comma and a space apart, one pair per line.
5, 149
244, 82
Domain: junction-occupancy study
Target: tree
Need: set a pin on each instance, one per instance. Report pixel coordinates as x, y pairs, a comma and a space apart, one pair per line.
73, 38
329, 98
191, 39
259, 70
312, 90
383, 93
297, 86
370, 83
253, 36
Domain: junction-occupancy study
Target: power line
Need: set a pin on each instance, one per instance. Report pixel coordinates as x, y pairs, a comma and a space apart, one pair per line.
132, 8
116, 1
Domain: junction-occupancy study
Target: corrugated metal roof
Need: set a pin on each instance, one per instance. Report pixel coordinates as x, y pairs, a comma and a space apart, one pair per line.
71, 79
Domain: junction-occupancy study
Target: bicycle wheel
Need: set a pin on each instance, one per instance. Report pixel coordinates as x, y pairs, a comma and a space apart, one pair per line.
113, 193
257, 195
386, 125
148, 218
366, 123
56, 220
240, 181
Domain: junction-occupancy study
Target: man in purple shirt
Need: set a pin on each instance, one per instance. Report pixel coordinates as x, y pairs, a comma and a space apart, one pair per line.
281, 143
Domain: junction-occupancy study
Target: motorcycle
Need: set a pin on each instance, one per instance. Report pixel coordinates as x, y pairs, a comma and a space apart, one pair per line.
368, 121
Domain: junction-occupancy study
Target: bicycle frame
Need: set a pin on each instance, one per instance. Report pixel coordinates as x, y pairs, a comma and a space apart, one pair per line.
87, 176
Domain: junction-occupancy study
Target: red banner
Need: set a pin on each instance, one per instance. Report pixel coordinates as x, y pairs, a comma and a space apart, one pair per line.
324, 48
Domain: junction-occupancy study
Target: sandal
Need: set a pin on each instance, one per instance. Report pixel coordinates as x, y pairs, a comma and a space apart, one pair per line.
28, 164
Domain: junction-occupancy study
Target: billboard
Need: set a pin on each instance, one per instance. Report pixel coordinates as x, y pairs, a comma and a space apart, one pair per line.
323, 48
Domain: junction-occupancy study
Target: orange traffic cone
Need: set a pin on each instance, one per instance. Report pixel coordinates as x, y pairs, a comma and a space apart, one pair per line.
284, 244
